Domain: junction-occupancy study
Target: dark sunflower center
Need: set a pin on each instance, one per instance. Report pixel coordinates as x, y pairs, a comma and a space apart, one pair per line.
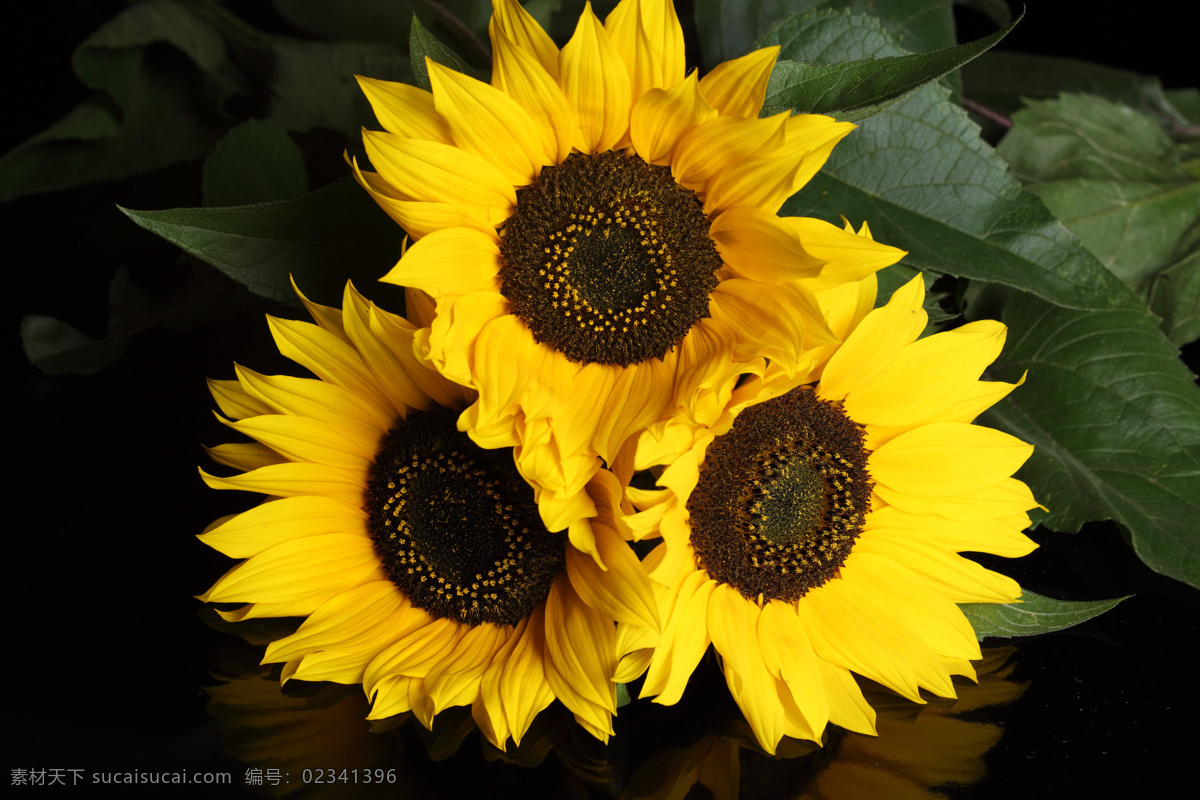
456, 526
781, 497
607, 259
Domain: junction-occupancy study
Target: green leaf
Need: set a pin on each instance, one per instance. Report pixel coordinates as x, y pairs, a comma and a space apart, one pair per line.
145, 113
422, 44
1118, 183
1187, 101
57, 348
1174, 294
256, 162
1114, 418
1034, 615
855, 90
313, 85
926, 183
730, 28
1081, 136
830, 37
321, 240
381, 21
1001, 81
623, 698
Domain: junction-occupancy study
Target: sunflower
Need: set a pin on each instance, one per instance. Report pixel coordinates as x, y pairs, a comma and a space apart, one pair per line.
814, 530
598, 231
417, 558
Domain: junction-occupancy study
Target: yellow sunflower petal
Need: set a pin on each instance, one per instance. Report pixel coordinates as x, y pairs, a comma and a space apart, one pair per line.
765, 181
649, 38
847, 706
403, 391
622, 591
596, 83
454, 681
518, 25
849, 628
876, 343
580, 657
915, 602
455, 331
488, 708
328, 357
234, 401
1009, 496
761, 246
303, 439
738, 87
980, 396
662, 117
353, 626
253, 531
519, 74
685, 637
300, 574
440, 173
304, 397
789, 656
711, 148
928, 376
327, 317
958, 578
767, 322
946, 458
244, 455
405, 110
415, 653
523, 685
420, 218
401, 338
733, 626
487, 122
449, 262
293, 480
847, 257
989, 535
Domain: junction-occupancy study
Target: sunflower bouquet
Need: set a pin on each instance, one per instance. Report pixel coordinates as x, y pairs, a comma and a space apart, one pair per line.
677, 361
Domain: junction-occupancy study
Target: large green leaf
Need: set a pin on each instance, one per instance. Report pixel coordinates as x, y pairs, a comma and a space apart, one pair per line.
1084, 136
256, 162
730, 28
1002, 81
1035, 614
57, 348
926, 182
320, 240
152, 108
855, 90
382, 21
1174, 293
1118, 182
422, 44
1114, 418
146, 112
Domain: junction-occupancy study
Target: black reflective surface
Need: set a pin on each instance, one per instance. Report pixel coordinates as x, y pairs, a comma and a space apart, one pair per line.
111, 667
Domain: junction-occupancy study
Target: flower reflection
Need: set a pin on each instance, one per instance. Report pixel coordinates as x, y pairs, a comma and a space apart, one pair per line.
919, 748
284, 738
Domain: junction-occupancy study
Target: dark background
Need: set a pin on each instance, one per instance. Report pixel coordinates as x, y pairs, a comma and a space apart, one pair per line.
108, 659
